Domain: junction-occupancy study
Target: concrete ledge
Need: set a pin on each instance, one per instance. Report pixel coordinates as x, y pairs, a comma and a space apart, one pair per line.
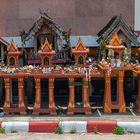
79, 126
101, 126
43, 126
16, 126
130, 127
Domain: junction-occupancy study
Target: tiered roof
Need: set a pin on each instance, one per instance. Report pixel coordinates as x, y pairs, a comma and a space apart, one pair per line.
116, 24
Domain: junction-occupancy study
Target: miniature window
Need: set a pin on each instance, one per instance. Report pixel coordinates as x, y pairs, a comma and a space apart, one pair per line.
80, 60
12, 61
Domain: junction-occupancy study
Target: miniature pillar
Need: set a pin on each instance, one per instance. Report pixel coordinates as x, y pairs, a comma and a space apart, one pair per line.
138, 97
21, 103
6, 107
52, 106
107, 96
85, 97
37, 97
121, 101
71, 104
2, 54
108, 105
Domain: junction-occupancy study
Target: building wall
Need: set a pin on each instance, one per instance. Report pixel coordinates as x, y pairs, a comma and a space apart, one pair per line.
85, 17
137, 15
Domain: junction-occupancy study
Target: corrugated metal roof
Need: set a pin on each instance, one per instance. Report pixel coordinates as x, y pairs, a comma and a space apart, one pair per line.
89, 41
3, 41
17, 40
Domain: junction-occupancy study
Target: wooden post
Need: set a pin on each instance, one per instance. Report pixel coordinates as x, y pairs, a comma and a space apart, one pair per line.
2, 54
138, 97
107, 96
21, 103
37, 97
121, 101
6, 107
85, 95
52, 106
71, 104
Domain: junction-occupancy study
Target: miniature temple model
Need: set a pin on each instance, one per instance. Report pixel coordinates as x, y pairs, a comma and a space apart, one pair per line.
46, 72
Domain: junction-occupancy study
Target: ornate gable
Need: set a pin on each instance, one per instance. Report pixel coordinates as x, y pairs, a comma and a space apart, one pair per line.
46, 53
12, 47
115, 41
117, 24
80, 52
80, 47
13, 54
44, 27
46, 47
115, 44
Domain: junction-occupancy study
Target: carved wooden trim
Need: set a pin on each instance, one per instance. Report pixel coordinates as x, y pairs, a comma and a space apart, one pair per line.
80, 50
85, 94
51, 94
107, 96
21, 93
46, 51
138, 97
37, 93
13, 53
7, 92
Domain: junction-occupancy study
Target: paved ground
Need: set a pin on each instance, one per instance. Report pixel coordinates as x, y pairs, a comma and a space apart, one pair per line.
97, 115
43, 136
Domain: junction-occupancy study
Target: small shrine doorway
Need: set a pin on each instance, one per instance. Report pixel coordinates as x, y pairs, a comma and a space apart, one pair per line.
80, 60
116, 55
46, 61
12, 61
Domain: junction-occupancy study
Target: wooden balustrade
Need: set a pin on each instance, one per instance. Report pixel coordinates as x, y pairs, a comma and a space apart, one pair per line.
21, 102
137, 71
120, 103
85, 99
37, 105
108, 105
138, 97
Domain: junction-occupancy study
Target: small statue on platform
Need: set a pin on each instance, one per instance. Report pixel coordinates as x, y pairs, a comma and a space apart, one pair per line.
125, 56
113, 64
118, 63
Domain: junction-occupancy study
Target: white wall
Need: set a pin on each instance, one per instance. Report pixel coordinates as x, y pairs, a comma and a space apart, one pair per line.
137, 15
